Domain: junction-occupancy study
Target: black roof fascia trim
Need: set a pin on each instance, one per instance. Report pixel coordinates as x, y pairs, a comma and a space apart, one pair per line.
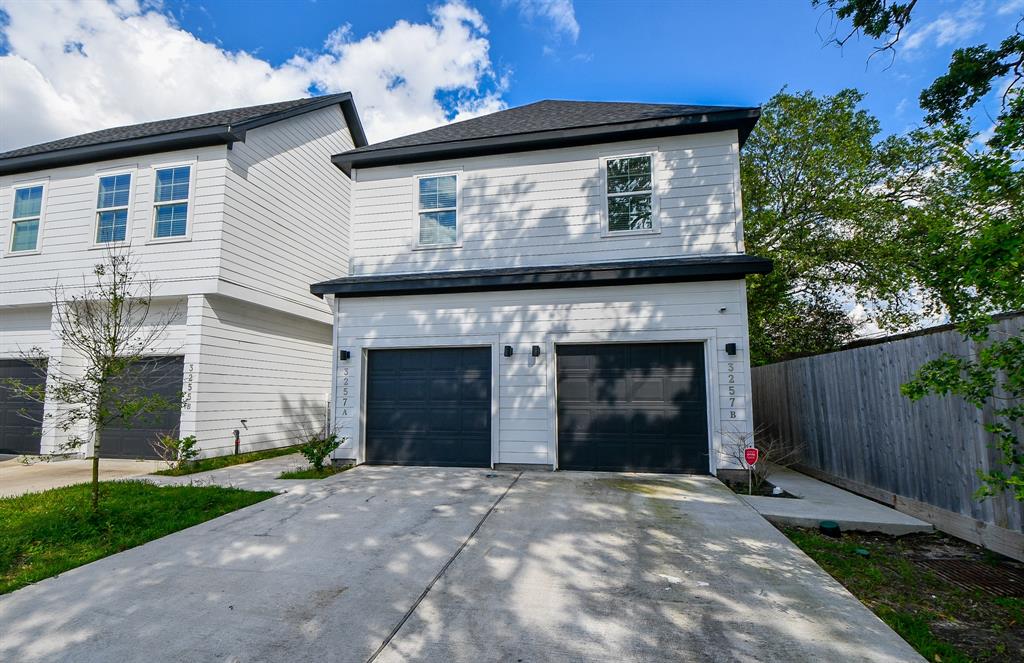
610, 274
122, 148
201, 137
743, 121
343, 99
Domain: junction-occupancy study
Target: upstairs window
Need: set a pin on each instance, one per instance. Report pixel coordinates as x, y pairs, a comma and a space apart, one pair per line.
630, 194
170, 215
437, 210
112, 208
28, 210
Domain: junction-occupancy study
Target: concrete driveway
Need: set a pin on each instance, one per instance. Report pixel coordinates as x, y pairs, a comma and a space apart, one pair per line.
18, 477
398, 564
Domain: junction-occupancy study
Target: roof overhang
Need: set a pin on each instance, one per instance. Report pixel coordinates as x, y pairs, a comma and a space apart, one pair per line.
742, 120
217, 135
674, 270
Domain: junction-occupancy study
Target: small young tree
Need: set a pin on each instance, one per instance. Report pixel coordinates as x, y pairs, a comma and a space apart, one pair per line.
773, 452
107, 329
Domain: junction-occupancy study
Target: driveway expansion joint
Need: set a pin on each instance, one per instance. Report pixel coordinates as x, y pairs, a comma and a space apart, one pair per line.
440, 574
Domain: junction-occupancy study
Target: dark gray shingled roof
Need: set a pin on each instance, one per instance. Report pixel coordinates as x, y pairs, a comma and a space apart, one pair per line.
550, 123
223, 126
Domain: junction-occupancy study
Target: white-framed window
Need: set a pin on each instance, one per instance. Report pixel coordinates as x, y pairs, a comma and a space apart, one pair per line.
26, 217
630, 203
113, 197
437, 213
172, 187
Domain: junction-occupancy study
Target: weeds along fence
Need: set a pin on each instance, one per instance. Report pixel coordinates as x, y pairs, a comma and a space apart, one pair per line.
860, 433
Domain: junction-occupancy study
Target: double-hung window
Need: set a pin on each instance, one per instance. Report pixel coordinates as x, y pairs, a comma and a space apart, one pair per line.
630, 194
112, 208
28, 211
170, 215
437, 210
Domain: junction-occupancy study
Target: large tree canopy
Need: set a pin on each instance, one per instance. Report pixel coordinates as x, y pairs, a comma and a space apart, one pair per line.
821, 197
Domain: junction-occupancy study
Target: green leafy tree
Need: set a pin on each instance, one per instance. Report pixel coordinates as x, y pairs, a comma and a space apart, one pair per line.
108, 330
964, 230
822, 197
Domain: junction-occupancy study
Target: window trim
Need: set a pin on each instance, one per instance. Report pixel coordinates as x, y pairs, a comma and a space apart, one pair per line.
416, 245
8, 251
132, 172
655, 229
151, 237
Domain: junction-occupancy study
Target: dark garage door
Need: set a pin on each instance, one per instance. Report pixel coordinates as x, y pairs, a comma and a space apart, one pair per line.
161, 375
632, 407
19, 432
429, 407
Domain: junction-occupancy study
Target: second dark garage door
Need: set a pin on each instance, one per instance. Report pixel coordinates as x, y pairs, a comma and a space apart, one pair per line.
632, 407
429, 406
158, 375
20, 418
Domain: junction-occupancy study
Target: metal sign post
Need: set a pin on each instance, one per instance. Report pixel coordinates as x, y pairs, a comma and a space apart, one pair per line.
750, 454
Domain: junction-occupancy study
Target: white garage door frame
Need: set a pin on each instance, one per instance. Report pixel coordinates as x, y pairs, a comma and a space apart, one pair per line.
707, 337
478, 341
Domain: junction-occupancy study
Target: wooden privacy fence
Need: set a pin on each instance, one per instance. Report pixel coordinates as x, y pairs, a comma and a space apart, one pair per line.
859, 432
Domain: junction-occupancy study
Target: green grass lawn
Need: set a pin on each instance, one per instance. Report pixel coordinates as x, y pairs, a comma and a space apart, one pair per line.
943, 622
43, 534
313, 473
218, 462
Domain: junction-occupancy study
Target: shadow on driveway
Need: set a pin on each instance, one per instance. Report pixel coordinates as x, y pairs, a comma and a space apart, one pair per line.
565, 566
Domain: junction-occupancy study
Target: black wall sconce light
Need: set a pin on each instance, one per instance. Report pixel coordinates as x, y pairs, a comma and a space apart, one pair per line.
535, 351
344, 355
730, 349
508, 350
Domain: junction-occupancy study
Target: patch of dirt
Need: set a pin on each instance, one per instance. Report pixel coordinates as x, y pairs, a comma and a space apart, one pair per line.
951, 600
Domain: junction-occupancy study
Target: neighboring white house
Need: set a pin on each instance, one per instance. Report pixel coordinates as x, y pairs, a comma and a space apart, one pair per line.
233, 214
557, 285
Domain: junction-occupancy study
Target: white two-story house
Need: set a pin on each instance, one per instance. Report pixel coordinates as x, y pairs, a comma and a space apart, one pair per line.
233, 214
558, 285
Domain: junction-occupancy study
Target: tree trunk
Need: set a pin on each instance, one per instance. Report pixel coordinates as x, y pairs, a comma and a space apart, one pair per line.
96, 471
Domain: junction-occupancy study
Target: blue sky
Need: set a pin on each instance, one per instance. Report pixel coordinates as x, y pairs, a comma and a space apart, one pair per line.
413, 64
701, 52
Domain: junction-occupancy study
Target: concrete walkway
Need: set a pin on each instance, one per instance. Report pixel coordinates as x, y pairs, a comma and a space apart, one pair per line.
428, 564
258, 475
17, 477
822, 501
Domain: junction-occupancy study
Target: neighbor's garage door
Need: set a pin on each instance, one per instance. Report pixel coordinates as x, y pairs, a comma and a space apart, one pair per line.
429, 407
161, 375
632, 407
19, 431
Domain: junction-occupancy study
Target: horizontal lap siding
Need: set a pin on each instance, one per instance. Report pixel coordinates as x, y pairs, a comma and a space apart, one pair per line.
287, 219
22, 328
527, 318
68, 226
547, 207
265, 366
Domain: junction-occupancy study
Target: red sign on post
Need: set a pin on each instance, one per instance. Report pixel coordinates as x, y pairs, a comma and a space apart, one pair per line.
750, 455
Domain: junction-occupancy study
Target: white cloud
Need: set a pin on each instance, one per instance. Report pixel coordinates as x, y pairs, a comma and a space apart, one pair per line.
73, 67
950, 28
560, 13
1010, 7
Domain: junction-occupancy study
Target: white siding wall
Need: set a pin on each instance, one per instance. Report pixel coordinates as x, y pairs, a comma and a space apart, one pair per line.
69, 224
265, 366
547, 207
525, 425
23, 328
287, 209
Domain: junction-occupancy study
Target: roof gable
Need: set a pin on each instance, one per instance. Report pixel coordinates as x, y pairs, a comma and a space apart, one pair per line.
223, 126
